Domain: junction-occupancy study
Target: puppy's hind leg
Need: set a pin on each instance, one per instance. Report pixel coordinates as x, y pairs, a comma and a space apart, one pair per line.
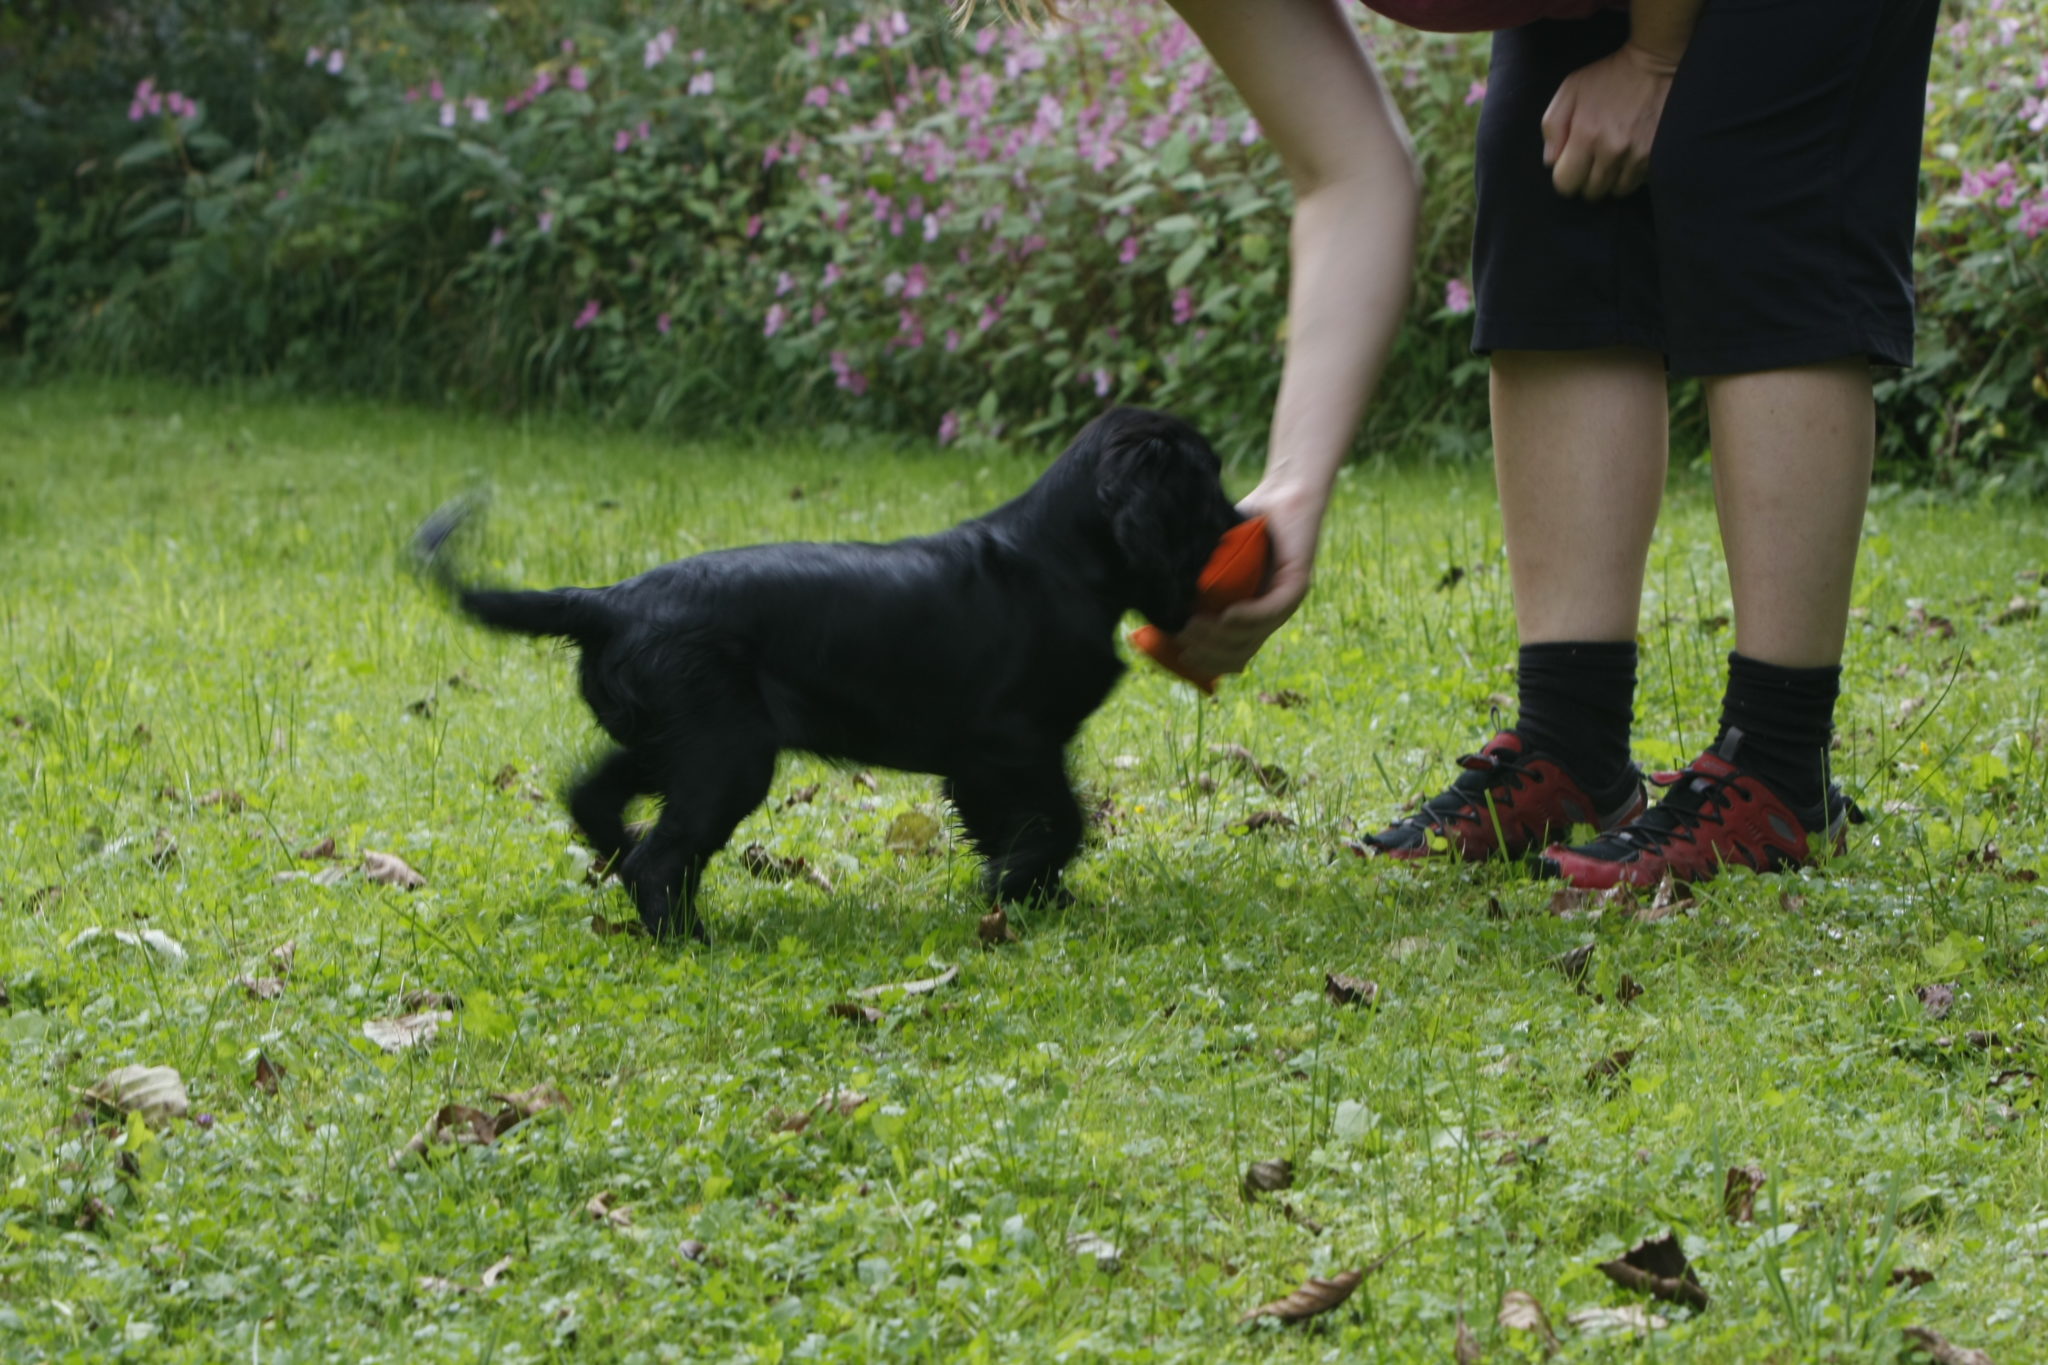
707, 786
598, 799
1025, 821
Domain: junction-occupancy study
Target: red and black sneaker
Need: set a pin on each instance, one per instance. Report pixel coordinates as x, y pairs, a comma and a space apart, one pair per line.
1508, 802
1716, 816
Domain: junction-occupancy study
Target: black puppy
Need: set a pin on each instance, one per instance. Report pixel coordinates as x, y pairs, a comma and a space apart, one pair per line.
974, 654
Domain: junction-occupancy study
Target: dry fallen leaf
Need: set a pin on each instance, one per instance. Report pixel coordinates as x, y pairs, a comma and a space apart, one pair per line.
415, 1000
1631, 1317
1315, 1296
600, 1208
269, 1075
284, 955
864, 780
1658, 1266
911, 832
1910, 1276
1738, 1193
1286, 698
388, 869
1574, 965
406, 1030
506, 778
910, 988
323, 849
1465, 1346
1936, 999
1270, 776
1350, 990
42, 900
1105, 1253
1943, 1352
155, 940
994, 930
261, 987
1568, 902
867, 1016
1263, 819
521, 1105
164, 851
1626, 989
690, 1249
801, 796
453, 1125
1520, 1312
759, 862
1264, 1177
225, 798
1610, 1066
2017, 610
155, 1092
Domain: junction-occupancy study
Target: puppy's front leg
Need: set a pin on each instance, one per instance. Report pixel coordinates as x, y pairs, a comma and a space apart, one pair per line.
1025, 821
704, 795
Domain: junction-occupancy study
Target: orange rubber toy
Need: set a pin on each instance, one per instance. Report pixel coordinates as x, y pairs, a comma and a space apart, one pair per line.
1235, 572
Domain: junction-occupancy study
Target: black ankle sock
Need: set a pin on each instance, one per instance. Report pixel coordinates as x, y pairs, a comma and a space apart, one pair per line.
1787, 720
1577, 700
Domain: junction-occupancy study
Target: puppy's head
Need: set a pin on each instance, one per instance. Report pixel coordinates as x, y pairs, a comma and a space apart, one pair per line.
1160, 489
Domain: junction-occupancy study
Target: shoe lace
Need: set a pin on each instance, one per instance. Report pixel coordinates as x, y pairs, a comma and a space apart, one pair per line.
1696, 798
1487, 771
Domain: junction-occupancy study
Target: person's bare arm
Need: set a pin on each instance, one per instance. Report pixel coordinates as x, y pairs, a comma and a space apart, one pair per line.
1300, 68
1598, 131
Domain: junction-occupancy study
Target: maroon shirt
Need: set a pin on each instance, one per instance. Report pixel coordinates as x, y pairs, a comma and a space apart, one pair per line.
1478, 16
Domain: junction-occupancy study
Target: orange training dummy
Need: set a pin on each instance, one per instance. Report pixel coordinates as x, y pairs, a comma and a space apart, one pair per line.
1236, 571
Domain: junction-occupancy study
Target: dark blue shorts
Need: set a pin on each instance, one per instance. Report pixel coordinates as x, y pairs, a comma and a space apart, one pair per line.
1777, 225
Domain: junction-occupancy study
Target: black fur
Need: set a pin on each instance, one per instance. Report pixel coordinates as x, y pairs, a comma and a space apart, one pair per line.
974, 654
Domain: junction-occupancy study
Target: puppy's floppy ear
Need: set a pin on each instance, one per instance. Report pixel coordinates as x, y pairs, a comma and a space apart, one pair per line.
1156, 485
1134, 484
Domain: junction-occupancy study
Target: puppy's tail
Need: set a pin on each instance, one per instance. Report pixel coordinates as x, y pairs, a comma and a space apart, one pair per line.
571, 613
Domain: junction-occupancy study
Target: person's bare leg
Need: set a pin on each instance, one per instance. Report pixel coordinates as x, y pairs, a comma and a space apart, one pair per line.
1792, 457
1579, 443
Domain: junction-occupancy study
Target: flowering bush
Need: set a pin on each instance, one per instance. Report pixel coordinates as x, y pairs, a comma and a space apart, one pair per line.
837, 213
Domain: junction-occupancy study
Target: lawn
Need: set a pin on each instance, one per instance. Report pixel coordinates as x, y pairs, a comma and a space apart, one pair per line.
215, 660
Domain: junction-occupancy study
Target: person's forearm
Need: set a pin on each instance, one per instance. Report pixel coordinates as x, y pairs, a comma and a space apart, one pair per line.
1661, 28
1352, 256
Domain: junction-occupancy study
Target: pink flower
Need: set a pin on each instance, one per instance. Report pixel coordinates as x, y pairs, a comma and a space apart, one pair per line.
831, 276
784, 282
753, 226
915, 283
314, 56
892, 284
568, 47
591, 309
434, 90
335, 61
990, 316
818, 314
1476, 94
847, 377
644, 131
1101, 383
1183, 306
909, 329
479, 109
1457, 297
579, 79
448, 113
952, 340
546, 221
661, 324
1127, 251
621, 140
777, 315
818, 97
2033, 219
1250, 133
703, 83
949, 427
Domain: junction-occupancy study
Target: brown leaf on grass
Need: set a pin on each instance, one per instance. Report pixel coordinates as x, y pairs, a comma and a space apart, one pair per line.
1494, 909
269, 1075
690, 1249
1713, 623
415, 1000
92, 1212
1936, 999
226, 798
1569, 901
844, 1103
388, 869
1657, 1266
1911, 1276
1670, 898
284, 955
521, 1105
1520, 1312
1976, 1040
2017, 610
862, 1016
155, 1092
423, 708
1315, 1296
453, 1125
1627, 990
759, 862
864, 779
505, 778
1939, 1349
1264, 1177
601, 1208
2015, 1078
1261, 819
323, 849
1610, 1066
1300, 1219
1574, 965
164, 851
42, 900
912, 832
1791, 904
406, 1030
1922, 625
1451, 578
1286, 698
909, 988
608, 928
1738, 1192
801, 796
1907, 709
993, 929
261, 987
1350, 990
1270, 776
326, 876
1465, 1346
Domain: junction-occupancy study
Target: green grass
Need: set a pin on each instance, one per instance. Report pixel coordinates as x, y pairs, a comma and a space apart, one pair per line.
204, 594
